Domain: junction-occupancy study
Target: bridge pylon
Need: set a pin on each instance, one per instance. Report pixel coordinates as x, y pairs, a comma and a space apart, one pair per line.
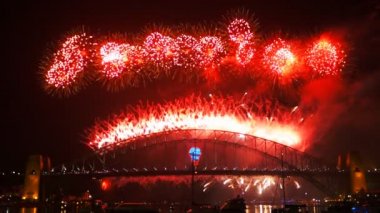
34, 166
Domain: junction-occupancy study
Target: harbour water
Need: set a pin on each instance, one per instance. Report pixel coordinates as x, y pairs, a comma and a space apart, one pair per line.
163, 209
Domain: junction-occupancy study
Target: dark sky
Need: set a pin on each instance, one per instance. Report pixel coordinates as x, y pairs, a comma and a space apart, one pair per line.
34, 122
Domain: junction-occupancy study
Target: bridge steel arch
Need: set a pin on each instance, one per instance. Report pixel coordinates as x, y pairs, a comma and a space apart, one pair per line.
296, 163
292, 158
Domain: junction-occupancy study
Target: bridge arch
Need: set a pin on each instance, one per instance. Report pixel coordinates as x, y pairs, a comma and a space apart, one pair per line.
292, 158
296, 163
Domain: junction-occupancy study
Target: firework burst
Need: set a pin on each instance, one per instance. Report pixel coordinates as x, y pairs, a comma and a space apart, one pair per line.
117, 59
245, 53
325, 57
161, 51
212, 50
69, 63
114, 57
192, 57
258, 119
240, 31
189, 56
279, 58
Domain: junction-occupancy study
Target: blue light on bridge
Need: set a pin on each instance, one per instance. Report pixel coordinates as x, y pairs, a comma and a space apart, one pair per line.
195, 153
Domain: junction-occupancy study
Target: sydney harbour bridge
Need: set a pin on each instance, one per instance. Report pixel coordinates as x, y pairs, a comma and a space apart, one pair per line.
187, 149
223, 153
222, 156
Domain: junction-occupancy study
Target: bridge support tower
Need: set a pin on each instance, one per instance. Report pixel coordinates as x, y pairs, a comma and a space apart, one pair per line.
34, 166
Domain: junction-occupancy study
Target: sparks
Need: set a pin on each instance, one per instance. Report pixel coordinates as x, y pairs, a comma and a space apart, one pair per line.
325, 58
260, 183
240, 31
114, 58
189, 56
193, 113
161, 51
298, 185
69, 61
227, 181
245, 53
212, 50
278, 57
119, 64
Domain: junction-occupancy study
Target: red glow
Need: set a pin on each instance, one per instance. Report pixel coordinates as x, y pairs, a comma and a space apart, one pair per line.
105, 184
197, 113
325, 57
278, 57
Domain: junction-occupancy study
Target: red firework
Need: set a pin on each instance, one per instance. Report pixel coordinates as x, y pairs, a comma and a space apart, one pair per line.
279, 58
212, 50
196, 113
69, 62
203, 58
245, 53
119, 58
114, 58
325, 57
189, 56
240, 31
160, 50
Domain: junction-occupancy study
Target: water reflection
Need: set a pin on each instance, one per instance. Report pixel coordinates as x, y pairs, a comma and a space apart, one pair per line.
28, 210
164, 209
259, 209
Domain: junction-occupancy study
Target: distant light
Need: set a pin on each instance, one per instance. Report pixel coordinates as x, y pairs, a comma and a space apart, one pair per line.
195, 153
105, 184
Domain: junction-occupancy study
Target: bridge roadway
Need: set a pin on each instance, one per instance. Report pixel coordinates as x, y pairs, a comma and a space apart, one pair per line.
207, 172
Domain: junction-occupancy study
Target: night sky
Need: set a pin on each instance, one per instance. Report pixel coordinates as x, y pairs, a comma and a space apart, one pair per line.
34, 122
